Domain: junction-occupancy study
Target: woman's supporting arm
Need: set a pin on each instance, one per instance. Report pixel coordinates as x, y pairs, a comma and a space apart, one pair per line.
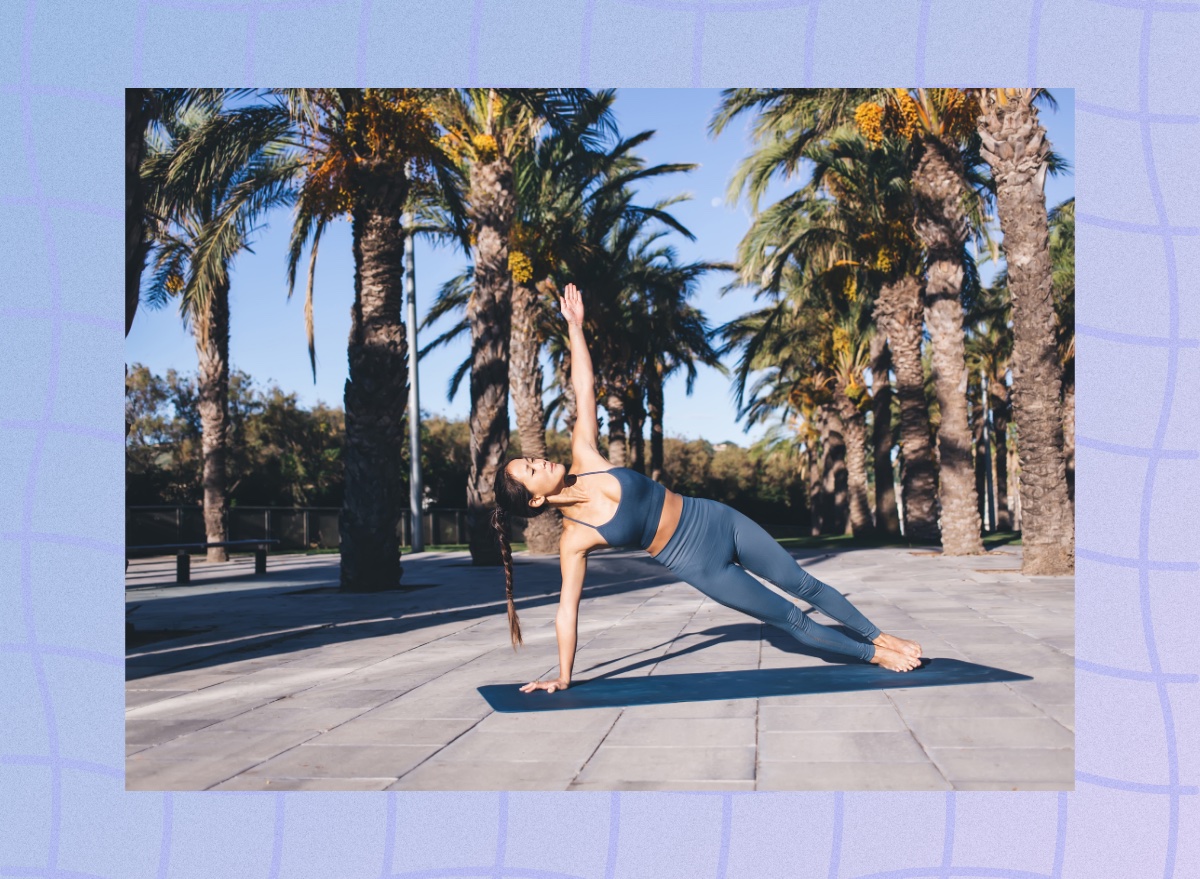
566, 622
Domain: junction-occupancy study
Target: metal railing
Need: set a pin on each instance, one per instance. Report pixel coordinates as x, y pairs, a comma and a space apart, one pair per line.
296, 528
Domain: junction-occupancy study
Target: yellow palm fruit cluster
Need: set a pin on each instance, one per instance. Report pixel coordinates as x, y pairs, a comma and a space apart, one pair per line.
886, 259
520, 266
898, 241
327, 183
485, 147
397, 122
174, 282
452, 144
869, 118
841, 342
901, 115
459, 144
850, 286
906, 117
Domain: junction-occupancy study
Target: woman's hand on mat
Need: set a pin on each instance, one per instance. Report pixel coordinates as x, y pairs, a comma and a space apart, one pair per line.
571, 305
548, 686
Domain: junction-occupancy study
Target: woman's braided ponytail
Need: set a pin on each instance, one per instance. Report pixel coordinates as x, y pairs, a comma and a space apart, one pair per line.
499, 522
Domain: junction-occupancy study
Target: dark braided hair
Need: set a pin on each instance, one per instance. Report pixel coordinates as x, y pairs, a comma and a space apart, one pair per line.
512, 498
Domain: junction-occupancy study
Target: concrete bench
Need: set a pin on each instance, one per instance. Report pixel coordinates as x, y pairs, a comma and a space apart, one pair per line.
183, 561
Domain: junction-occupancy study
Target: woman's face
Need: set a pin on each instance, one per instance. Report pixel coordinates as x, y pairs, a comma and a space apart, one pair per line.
539, 476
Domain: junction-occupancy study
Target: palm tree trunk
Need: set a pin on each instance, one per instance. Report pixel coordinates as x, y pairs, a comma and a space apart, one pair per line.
816, 494
975, 401
542, 532
898, 313
614, 405
490, 316
1014, 144
137, 116
998, 391
562, 371
834, 478
854, 430
654, 402
1069, 428
887, 521
212, 350
942, 225
635, 414
375, 396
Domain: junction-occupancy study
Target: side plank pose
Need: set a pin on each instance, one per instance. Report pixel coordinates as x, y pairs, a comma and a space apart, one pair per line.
707, 544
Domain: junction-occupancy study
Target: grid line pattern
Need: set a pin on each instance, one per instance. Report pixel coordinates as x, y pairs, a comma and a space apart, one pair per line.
61, 801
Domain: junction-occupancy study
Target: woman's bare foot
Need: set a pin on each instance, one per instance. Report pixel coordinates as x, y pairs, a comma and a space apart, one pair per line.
894, 660
900, 645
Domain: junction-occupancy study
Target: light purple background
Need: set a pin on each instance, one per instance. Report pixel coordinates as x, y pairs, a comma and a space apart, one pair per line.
63, 809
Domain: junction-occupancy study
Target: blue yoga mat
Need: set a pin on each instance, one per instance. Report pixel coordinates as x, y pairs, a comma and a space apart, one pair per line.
613, 692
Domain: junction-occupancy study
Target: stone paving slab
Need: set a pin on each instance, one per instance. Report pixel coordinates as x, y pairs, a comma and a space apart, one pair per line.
998, 765
840, 747
316, 760
799, 775
670, 766
284, 683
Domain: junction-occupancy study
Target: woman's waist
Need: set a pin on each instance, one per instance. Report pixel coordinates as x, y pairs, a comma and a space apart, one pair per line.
668, 522
692, 515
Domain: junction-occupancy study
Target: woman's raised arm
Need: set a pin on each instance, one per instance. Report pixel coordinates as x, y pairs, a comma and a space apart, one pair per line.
586, 433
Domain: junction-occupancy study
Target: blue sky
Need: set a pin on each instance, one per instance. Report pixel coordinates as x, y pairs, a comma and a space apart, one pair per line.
267, 337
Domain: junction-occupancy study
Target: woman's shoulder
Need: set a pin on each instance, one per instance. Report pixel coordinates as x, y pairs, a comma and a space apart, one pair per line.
588, 461
578, 537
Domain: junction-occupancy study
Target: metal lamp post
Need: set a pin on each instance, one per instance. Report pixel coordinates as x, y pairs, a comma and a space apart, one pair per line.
990, 504
415, 486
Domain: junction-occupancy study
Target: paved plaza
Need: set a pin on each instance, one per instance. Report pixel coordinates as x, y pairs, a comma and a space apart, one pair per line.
284, 683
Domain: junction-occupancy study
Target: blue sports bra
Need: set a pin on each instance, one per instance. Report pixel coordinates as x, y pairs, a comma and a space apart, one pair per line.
636, 520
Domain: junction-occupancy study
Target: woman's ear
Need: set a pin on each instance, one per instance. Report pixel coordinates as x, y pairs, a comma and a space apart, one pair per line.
536, 501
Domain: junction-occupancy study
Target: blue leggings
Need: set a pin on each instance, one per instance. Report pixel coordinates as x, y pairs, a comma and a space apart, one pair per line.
714, 546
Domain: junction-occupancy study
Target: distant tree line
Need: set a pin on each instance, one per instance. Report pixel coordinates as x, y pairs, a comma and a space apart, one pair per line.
283, 454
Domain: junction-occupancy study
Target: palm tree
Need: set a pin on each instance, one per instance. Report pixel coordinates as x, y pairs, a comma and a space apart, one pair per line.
938, 123
489, 129
874, 200
144, 110
989, 353
1015, 145
661, 333
570, 190
887, 517
791, 345
870, 185
366, 150
209, 181
552, 182
605, 262
676, 336
851, 355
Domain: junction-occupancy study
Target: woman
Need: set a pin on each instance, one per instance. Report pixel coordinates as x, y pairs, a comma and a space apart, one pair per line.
707, 544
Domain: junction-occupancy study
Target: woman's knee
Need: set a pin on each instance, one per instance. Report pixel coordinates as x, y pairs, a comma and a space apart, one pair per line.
807, 585
732, 587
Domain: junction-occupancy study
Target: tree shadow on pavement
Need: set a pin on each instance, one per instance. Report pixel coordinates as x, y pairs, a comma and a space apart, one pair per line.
200, 630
